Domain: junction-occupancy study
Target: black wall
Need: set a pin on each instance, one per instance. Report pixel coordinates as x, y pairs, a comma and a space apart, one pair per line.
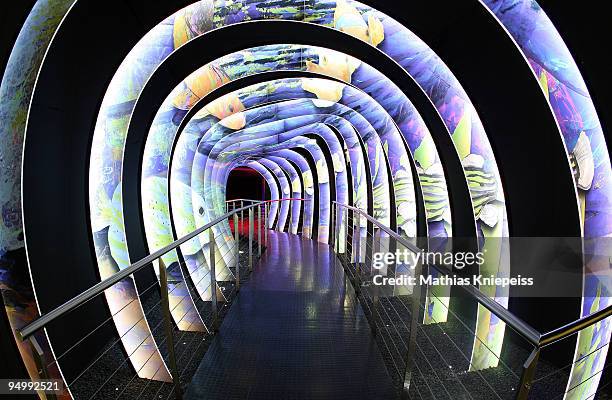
12, 17
586, 31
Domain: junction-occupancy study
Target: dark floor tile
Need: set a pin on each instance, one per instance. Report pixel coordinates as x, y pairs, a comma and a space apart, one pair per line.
294, 332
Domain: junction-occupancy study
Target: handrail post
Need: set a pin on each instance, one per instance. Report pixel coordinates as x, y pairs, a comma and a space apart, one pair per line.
241, 213
414, 326
332, 221
336, 241
259, 230
346, 231
278, 215
237, 254
41, 363
266, 219
339, 212
392, 248
288, 219
163, 281
357, 236
375, 297
529, 370
213, 280
251, 238
375, 247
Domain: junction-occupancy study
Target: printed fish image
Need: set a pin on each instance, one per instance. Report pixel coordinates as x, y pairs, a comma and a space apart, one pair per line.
338, 162
192, 21
334, 64
322, 171
198, 85
582, 162
434, 189
381, 202
324, 90
483, 189
406, 203
308, 183
228, 109
349, 20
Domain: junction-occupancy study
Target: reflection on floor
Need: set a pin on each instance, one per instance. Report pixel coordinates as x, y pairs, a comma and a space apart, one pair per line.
295, 331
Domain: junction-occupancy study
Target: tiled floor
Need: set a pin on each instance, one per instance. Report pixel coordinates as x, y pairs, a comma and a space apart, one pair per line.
295, 332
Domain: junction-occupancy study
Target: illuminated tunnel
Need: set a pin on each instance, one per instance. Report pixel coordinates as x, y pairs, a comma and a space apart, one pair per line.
464, 127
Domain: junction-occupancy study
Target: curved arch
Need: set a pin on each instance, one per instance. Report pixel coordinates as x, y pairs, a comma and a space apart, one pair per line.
251, 144
281, 175
274, 193
307, 186
182, 175
204, 74
571, 105
296, 191
425, 152
335, 148
466, 131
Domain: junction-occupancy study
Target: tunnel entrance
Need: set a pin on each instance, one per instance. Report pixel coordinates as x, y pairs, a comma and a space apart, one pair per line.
246, 183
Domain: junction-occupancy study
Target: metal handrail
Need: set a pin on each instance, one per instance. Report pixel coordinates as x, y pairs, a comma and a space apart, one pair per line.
249, 200
576, 326
527, 331
100, 287
532, 335
268, 201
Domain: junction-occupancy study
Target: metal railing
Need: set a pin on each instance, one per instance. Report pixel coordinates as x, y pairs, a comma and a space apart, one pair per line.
419, 354
395, 318
121, 381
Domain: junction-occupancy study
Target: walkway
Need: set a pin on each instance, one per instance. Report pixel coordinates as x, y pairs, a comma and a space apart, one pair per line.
295, 332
